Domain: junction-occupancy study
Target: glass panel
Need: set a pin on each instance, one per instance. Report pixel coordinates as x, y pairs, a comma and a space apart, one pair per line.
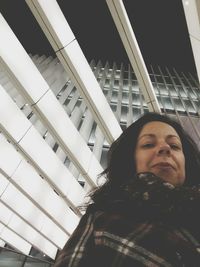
168, 80
133, 76
197, 91
125, 74
107, 82
72, 92
125, 99
135, 86
114, 96
176, 81
181, 91
124, 114
191, 82
192, 93
152, 78
35, 263
172, 90
197, 104
125, 85
105, 91
167, 102
143, 101
12, 258
155, 88
163, 89
189, 106
136, 99
178, 104
116, 84
184, 81
113, 107
136, 113
160, 102
104, 157
159, 79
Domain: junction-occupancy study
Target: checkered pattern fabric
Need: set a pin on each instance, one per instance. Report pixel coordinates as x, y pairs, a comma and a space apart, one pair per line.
151, 224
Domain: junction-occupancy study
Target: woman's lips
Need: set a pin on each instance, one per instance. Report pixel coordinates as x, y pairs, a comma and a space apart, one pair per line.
163, 165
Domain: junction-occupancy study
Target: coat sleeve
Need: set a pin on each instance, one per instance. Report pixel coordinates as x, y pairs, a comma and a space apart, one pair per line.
78, 251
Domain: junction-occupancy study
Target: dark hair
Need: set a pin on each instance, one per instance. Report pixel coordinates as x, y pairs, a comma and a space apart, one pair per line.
121, 167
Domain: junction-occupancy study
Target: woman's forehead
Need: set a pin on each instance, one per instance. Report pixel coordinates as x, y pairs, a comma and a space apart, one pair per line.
158, 128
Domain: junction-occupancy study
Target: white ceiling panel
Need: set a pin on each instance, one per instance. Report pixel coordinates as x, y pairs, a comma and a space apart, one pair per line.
52, 21
19, 66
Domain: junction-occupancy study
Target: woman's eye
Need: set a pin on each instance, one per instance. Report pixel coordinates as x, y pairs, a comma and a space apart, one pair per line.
148, 145
175, 146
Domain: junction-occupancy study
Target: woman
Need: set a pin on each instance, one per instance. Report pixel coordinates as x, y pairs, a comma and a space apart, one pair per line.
146, 214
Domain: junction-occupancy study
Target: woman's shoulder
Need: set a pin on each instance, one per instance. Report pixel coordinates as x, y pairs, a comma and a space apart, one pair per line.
114, 218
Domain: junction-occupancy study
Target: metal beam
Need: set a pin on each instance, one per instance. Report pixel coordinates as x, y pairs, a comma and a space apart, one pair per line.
66, 47
128, 38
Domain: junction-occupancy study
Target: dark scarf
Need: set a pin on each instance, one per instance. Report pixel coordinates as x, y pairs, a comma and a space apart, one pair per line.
172, 210
150, 197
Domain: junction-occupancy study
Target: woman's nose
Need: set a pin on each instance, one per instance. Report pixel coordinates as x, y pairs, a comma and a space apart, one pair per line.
164, 149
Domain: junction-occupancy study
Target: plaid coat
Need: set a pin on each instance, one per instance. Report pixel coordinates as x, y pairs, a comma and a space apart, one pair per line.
151, 224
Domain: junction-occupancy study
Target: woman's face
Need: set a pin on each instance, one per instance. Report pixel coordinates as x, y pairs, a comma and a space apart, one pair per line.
159, 150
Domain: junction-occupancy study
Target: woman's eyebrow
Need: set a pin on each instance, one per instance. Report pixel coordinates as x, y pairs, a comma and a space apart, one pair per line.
153, 135
146, 135
171, 136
